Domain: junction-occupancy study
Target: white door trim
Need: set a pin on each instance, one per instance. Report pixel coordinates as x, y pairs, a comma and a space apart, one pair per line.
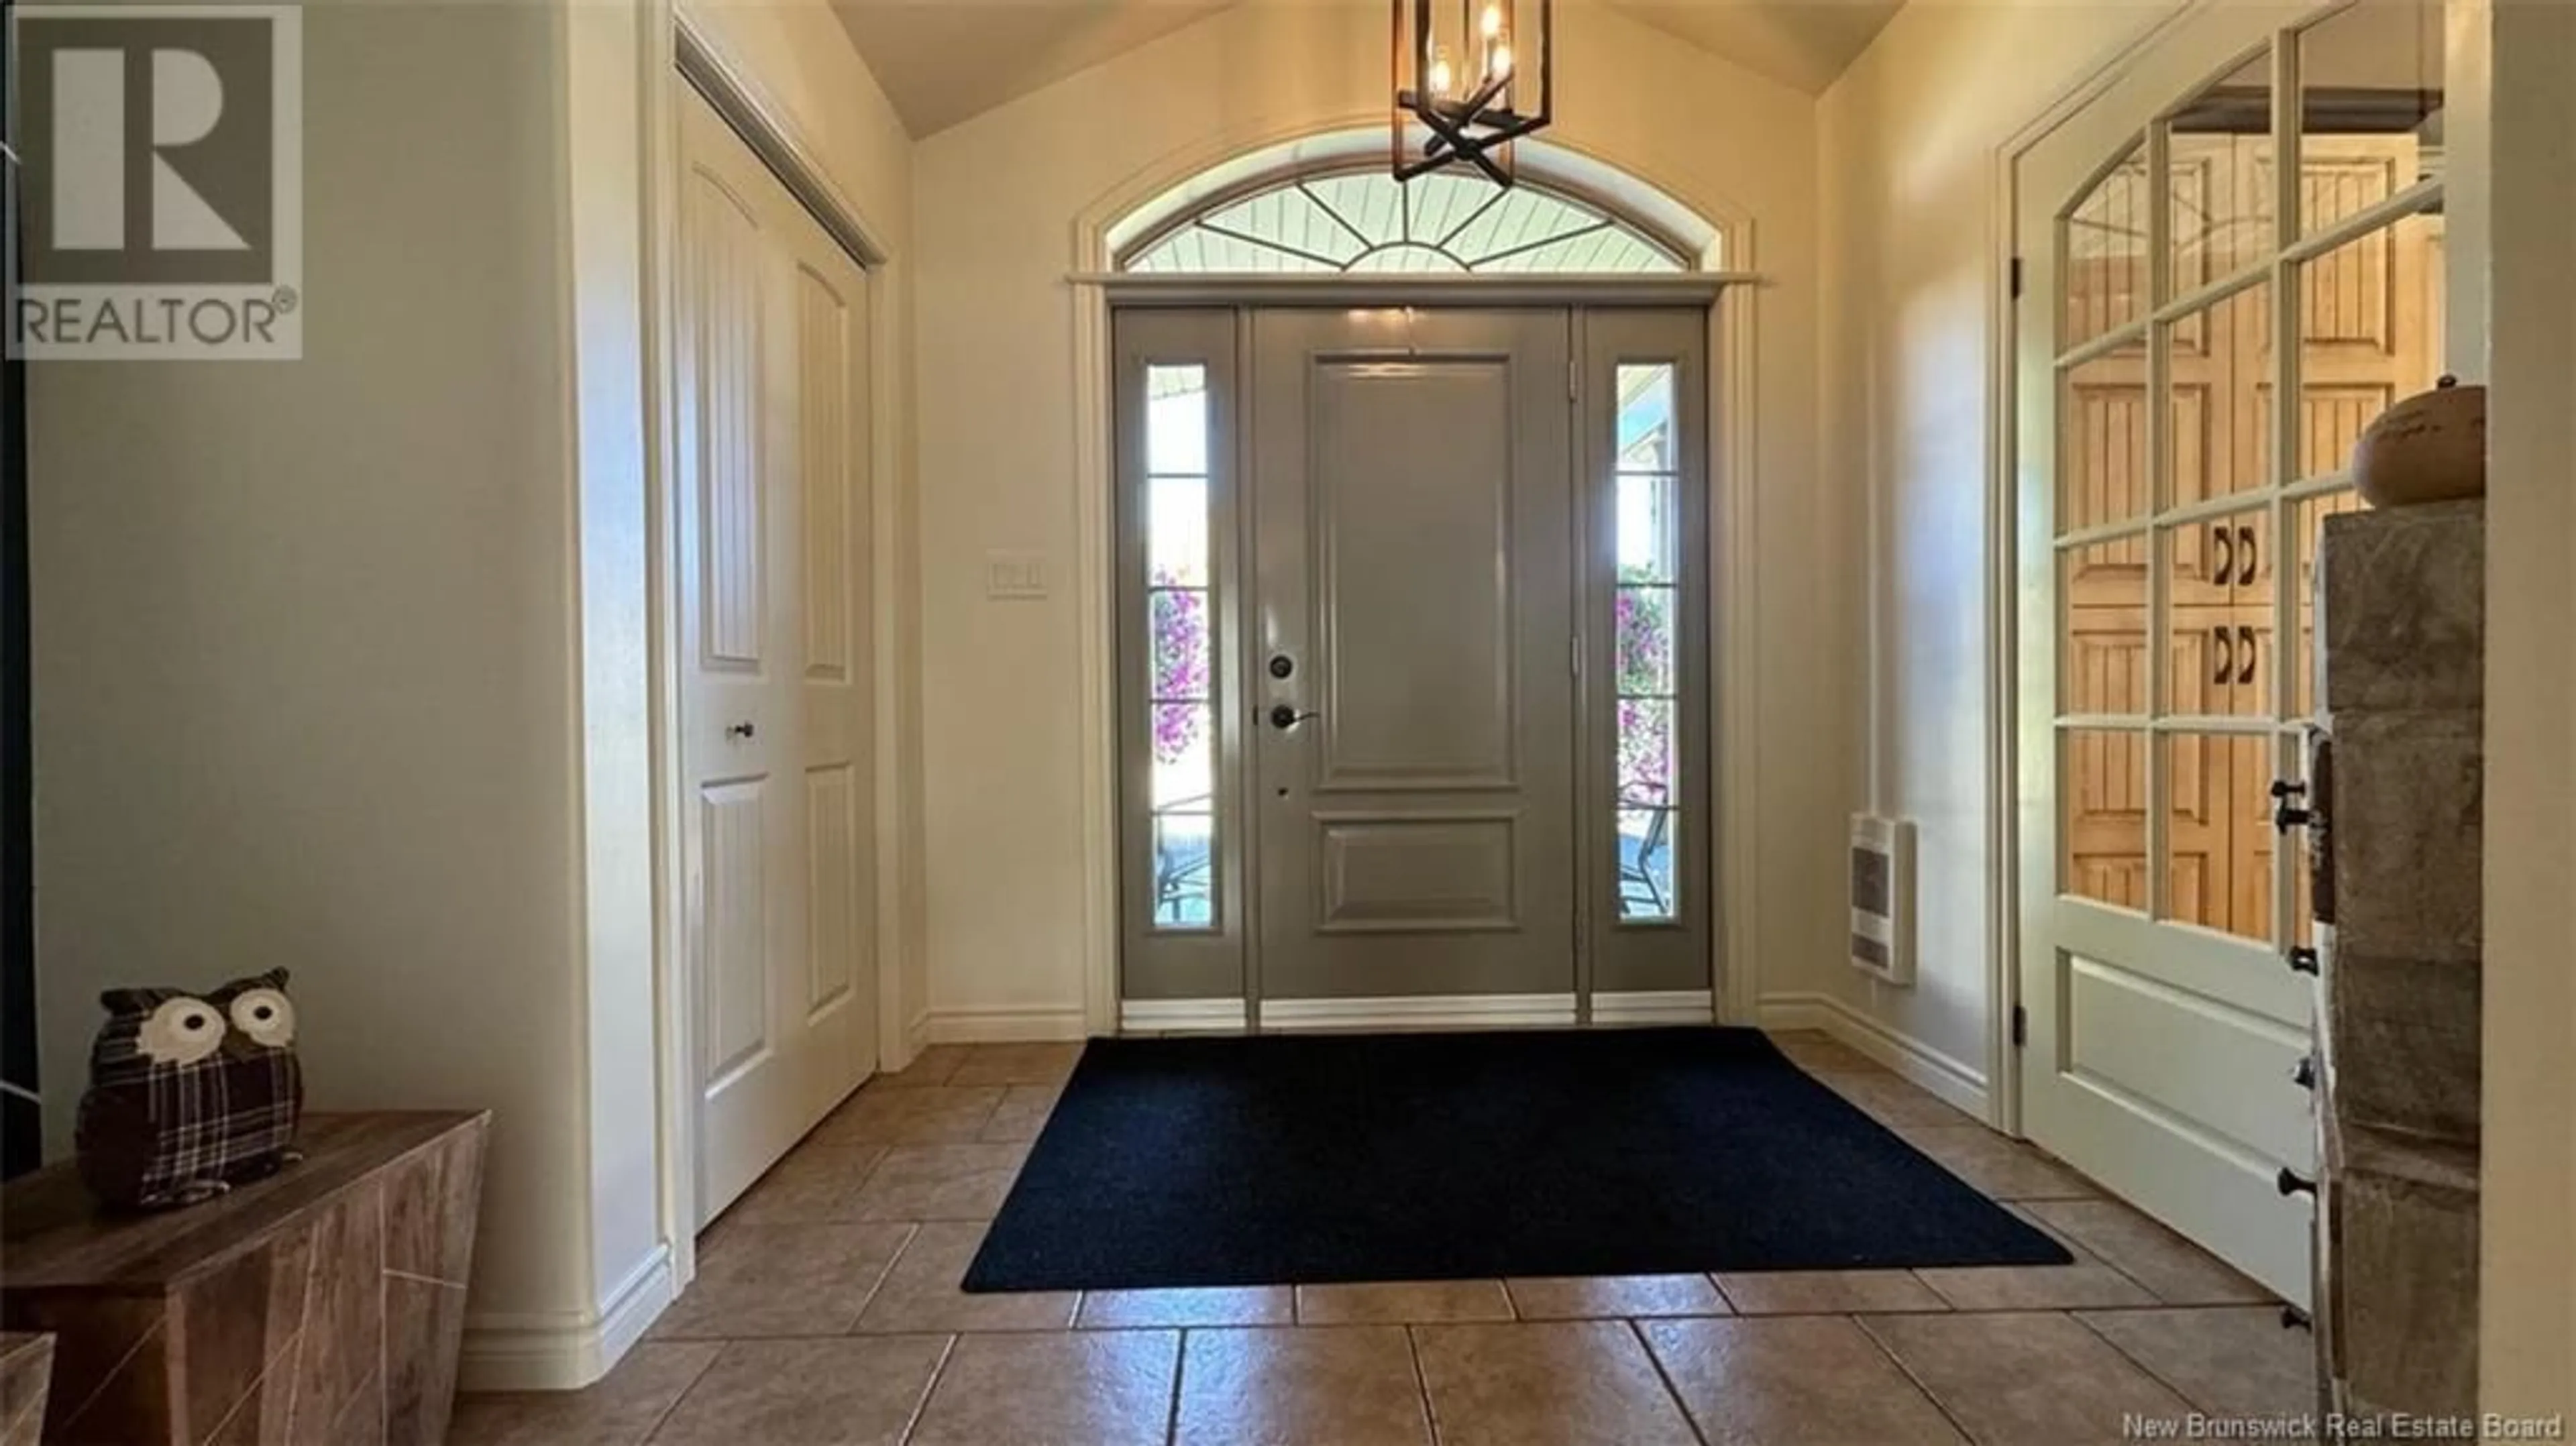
1183, 1016
2003, 602
1655, 1006
765, 129
1734, 560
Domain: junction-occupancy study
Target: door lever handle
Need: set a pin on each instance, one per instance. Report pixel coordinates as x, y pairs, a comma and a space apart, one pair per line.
1284, 716
743, 729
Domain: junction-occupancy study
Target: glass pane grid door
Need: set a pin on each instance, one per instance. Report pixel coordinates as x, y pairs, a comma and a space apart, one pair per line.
2197, 458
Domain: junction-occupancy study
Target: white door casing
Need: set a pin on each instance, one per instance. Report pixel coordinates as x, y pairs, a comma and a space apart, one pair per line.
2173, 463
778, 826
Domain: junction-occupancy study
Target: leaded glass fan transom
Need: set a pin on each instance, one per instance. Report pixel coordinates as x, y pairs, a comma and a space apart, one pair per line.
1367, 221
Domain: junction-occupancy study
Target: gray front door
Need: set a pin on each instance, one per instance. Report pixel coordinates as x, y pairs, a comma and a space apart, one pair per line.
1413, 704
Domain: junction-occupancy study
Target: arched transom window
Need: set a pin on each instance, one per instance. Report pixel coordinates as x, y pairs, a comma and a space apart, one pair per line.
1366, 221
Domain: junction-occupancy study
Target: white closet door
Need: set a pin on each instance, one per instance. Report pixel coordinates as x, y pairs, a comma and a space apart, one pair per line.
770, 490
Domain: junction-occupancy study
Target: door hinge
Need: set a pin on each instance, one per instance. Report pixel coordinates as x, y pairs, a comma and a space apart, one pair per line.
2021, 1025
1574, 655
2016, 278
1572, 376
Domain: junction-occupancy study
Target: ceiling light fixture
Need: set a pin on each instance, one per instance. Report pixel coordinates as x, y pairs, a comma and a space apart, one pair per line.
1472, 114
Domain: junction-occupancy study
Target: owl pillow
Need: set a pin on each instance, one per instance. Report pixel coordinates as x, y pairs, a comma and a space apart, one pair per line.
190, 1094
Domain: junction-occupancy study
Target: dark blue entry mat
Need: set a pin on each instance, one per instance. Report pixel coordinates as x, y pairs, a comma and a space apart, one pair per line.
1279, 1159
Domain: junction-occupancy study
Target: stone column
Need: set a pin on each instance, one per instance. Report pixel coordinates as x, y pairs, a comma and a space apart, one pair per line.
2402, 631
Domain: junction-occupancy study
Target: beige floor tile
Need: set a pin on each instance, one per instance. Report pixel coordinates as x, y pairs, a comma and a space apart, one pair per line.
2179, 1272
1554, 1383
932, 1066
2228, 1361
1080, 1388
619, 1411
1022, 1113
2038, 1379
940, 1182
1892, 1099
2035, 1287
814, 1183
782, 1280
1827, 1292
920, 1292
1813, 1050
1248, 1305
924, 1115
862, 1392
2085, 1282
1606, 1297
2004, 1168
1402, 1302
1017, 1064
1327, 1386
1793, 1381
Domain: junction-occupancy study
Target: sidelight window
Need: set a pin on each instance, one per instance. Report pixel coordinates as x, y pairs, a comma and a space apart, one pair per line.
1645, 628
1180, 647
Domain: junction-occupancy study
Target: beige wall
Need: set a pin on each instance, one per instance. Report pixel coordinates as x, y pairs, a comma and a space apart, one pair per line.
2527, 1306
304, 649
342, 664
1909, 145
998, 198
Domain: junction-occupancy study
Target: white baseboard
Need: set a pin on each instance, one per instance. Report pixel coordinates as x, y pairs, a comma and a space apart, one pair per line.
1428, 1011
1949, 1078
1170, 1016
989, 1025
1655, 1006
567, 1350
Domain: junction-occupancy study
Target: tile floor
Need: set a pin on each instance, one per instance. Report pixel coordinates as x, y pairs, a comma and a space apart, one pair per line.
826, 1313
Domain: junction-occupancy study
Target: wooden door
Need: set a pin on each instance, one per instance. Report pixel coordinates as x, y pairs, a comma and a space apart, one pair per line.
774, 644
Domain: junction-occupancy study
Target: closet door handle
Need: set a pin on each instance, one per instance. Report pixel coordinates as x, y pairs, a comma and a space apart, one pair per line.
2223, 542
2226, 650
2245, 642
2246, 553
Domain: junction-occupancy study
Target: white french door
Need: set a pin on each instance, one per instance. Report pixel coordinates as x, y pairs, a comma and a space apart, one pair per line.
2262, 173
770, 492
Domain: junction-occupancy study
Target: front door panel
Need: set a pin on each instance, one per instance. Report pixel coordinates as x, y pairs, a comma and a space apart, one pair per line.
1414, 789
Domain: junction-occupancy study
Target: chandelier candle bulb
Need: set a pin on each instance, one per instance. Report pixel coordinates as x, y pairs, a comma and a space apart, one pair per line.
1448, 116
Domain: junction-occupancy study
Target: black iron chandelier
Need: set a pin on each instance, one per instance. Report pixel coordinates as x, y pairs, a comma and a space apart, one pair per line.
1463, 84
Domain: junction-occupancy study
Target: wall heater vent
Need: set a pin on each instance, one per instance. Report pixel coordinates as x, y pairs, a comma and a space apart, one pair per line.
1882, 897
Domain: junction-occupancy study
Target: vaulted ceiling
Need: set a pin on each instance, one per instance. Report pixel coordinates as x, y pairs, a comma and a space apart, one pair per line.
1804, 43
941, 61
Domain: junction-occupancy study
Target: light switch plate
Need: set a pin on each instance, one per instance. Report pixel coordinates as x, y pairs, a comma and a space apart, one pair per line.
1015, 575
